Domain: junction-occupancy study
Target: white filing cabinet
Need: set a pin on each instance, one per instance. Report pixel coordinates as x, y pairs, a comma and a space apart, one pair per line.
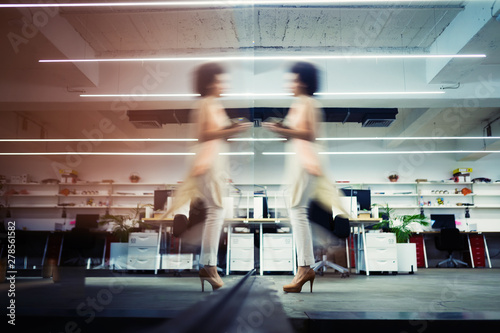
277, 252
242, 252
143, 250
381, 253
177, 261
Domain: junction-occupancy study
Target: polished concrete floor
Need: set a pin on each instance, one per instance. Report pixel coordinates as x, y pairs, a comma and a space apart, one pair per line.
426, 296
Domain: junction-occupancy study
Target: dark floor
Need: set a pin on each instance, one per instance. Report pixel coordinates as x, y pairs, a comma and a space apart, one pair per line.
421, 302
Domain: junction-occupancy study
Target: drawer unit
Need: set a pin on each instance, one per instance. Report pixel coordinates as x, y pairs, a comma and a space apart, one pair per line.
277, 252
242, 264
242, 240
143, 239
145, 251
278, 265
383, 265
274, 253
242, 252
142, 262
177, 261
381, 253
380, 239
278, 240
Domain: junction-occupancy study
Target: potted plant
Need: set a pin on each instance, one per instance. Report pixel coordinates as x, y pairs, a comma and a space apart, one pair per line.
121, 226
401, 226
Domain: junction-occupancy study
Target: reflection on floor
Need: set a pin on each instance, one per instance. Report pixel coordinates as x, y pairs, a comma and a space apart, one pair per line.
430, 300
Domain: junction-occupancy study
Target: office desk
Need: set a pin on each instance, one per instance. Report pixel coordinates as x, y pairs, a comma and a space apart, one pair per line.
358, 229
168, 223
468, 233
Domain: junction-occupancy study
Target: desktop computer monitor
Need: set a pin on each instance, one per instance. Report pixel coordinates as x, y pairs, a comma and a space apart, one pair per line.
363, 197
160, 198
443, 221
86, 221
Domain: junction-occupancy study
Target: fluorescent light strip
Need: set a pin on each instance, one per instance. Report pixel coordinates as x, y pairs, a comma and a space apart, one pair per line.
271, 94
98, 140
140, 95
225, 3
95, 153
379, 93
412, 138
412, 152
255, 94
238, 153
260, 58
257, 139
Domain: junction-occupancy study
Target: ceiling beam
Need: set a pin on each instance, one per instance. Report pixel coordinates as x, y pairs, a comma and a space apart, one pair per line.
458, 34
65, 38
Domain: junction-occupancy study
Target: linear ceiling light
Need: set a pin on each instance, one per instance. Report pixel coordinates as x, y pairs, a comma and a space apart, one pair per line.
379, 93
268, 58
255, 95
410, 152
257, 139
140, 95
221, 3
238, 153
95, 153
413, 138
98, 140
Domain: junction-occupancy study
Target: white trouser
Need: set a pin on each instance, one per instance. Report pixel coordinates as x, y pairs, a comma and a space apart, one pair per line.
300, 223
213, 223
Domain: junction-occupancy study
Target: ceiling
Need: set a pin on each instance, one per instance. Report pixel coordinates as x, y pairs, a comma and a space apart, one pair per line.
48, 94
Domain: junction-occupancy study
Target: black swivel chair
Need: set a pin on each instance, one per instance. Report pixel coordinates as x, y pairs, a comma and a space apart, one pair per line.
339, 226
450, 239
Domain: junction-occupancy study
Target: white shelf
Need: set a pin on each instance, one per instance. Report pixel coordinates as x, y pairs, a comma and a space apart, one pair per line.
446, 207
33, 206
82, 195
29, 184
132, 195
394, 195
83, 207
403, 207
485, 207
31, 195
448, 195
443, 183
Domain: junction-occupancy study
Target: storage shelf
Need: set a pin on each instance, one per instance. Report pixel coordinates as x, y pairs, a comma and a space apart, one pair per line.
446, 207
444, 183
132, 195
448, 195
29, 184
82, 195
31, 195
393, 195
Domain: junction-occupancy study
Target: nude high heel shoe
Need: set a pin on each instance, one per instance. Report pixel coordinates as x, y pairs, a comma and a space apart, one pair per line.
211, 276
296, 287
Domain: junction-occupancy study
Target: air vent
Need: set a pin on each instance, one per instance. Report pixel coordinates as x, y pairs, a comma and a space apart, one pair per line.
146, 124
378, 120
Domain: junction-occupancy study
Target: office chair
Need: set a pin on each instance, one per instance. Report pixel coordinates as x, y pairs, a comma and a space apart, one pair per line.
450, 239
341, 229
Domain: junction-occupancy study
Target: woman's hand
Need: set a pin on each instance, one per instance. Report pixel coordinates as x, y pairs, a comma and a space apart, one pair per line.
238, 128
